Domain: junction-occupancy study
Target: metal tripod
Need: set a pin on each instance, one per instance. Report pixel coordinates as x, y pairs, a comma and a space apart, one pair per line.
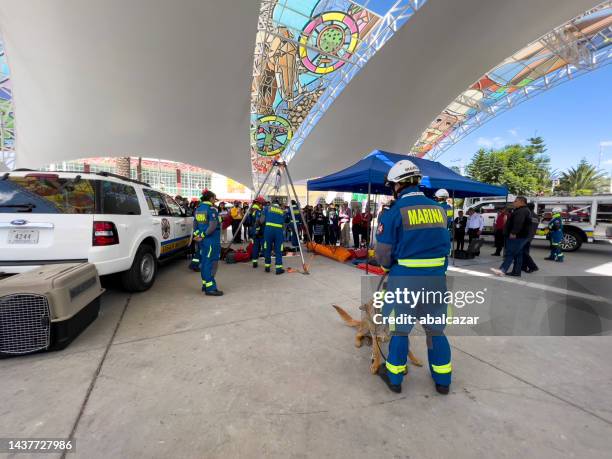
280, 167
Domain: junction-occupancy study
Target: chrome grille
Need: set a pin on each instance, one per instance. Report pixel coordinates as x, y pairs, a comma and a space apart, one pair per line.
25, 324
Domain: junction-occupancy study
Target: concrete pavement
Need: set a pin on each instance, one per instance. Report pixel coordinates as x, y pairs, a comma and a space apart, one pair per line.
268, 370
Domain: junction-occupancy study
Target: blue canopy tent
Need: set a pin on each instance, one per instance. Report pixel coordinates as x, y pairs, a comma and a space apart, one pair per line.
369, 174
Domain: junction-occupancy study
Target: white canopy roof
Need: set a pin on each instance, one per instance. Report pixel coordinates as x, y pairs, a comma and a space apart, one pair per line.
173, 78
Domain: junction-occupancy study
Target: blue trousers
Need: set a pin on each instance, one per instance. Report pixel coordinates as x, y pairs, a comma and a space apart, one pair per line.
273, 238
210, 252
513, 253
556, 253
257, 246
438, 348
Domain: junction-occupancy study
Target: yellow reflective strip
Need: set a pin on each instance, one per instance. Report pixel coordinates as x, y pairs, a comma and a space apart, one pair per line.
395, 369
442, 369
275, 225
209, 252
195, 259
449, 213
208, 284
422, 263
267, 265
279, 266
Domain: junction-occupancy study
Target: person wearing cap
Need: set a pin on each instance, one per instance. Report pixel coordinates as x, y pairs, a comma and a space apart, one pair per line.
255, 220
555, 231
208, 235
413, 247
273, 221
441, 198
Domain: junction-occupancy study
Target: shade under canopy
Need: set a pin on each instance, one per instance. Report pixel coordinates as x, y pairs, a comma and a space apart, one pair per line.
374, 167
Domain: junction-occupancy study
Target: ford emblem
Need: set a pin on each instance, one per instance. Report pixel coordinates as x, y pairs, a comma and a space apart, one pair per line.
19, 222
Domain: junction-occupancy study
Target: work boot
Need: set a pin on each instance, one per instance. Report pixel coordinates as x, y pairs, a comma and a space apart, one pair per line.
382, 372
255, 264
214, 293
280, 271
267, 269
442, 389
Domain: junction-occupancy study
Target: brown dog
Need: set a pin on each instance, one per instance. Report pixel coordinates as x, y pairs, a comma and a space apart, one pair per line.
369, 331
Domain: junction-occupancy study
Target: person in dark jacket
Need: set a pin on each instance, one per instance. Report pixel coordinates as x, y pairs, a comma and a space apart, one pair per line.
460, 224
500, 224
529, 265
516, 233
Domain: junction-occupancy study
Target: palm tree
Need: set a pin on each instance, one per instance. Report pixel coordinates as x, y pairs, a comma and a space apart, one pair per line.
582, 179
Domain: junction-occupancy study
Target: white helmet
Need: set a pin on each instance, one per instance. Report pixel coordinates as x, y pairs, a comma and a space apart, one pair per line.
442, 193
403, 170
557, 210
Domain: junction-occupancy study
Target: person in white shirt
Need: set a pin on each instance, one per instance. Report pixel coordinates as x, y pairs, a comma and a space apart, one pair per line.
475, 223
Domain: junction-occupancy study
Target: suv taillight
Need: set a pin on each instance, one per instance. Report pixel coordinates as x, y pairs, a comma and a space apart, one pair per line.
105, 233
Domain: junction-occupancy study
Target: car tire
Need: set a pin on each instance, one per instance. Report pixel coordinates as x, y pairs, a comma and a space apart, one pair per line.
141, 275
572, 240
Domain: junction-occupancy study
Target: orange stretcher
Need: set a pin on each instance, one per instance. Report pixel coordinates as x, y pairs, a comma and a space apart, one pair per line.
336, 253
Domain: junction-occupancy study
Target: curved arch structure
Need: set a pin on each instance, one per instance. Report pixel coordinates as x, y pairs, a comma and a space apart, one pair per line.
443, 49
155, 78
581, 45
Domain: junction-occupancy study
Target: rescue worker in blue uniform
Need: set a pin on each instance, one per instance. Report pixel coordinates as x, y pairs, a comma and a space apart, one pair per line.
555, 232
441, 198
274, 220
413, 245
298, 220
256, 229
208, 236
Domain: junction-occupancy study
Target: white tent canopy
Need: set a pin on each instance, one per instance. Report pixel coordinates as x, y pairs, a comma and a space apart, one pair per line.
173, 78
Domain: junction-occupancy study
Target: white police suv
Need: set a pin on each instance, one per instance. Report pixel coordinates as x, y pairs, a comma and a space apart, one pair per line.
120, 225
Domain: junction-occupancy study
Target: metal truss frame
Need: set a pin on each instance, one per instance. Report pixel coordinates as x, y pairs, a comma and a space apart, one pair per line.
581, 55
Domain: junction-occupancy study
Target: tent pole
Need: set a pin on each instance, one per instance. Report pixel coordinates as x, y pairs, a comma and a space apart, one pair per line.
369, 224
453, 231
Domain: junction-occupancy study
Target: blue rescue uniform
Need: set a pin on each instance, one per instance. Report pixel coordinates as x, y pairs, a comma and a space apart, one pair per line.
255, 232
413, 245
274, 217
208, 227
298, 220
555, 228
448, 211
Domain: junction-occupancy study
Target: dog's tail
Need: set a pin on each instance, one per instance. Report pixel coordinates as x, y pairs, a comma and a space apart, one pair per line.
346, 317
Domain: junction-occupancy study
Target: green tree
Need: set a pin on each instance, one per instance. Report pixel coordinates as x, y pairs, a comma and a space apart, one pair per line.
524, 169
584, 179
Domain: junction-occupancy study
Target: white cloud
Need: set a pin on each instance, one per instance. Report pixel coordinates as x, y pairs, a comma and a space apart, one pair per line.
609, 161
605, 143
487, 142
513, 132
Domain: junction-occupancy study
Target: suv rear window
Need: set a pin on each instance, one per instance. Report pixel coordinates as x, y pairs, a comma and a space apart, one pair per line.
47, 194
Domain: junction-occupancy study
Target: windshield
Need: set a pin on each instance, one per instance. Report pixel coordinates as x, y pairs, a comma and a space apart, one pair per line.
47, 195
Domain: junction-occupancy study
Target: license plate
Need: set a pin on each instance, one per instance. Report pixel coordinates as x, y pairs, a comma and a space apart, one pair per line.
23, 236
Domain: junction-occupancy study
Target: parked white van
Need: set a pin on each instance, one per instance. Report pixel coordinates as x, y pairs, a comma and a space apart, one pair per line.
120, 225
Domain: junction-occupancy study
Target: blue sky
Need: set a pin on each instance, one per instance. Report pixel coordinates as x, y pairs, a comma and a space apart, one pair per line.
574, 119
